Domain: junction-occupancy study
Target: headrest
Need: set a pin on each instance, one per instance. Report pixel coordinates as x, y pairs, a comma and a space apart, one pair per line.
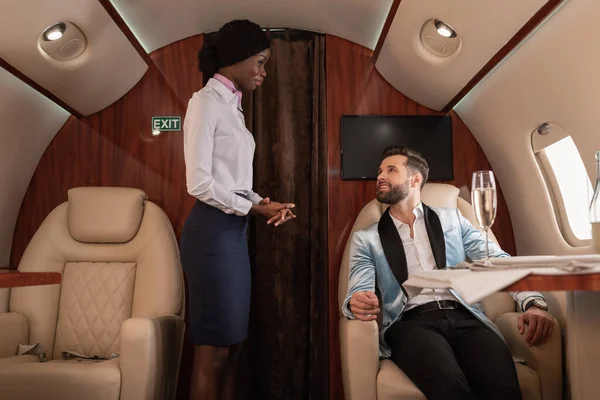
105, 214
440, 195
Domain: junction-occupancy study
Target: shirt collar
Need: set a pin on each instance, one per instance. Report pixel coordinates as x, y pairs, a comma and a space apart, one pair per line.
230, 86
227, 94
418, 211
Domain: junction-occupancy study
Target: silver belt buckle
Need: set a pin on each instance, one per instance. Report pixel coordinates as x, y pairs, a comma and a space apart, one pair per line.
442, 307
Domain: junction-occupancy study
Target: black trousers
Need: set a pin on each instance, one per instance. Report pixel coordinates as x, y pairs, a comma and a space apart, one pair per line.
450, 354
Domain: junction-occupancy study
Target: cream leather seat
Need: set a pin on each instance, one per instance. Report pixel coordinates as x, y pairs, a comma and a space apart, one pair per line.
121, 294
368, 378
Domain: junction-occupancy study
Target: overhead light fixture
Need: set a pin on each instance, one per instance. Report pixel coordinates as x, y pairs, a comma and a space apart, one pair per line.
62, 41
439, 39
444, 29
54, 32
155, 132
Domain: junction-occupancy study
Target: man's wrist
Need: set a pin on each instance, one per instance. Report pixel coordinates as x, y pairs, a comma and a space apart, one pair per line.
536, 302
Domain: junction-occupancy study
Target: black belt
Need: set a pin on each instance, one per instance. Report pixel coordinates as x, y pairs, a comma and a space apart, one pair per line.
432, 306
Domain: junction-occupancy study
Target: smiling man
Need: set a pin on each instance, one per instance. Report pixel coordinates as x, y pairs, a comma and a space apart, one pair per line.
450, 350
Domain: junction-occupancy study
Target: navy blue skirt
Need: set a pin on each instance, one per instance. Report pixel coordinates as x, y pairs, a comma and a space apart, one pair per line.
214, 255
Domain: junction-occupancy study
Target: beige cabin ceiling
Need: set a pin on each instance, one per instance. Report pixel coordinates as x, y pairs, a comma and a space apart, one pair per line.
484, 27
107, 69
111, 65
157, 23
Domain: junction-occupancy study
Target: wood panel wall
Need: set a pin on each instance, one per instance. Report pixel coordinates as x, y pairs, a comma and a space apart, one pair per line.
355, 87
115, 148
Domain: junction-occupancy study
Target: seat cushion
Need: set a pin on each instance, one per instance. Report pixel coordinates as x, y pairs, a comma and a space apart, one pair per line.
7, 362
530, 383
393, 384
24, 379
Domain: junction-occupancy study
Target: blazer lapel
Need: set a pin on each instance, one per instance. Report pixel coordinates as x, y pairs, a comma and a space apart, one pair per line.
436, 236
393, 247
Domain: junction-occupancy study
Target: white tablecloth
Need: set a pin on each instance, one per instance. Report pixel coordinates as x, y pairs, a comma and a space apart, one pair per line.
475, 281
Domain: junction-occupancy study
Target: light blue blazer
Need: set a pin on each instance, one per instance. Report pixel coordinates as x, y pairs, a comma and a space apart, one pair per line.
453, 240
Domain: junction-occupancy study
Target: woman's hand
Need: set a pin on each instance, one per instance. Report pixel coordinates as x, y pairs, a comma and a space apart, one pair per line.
270, 209
282, 217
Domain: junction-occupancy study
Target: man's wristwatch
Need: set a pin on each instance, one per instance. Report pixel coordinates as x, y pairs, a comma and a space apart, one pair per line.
537, 302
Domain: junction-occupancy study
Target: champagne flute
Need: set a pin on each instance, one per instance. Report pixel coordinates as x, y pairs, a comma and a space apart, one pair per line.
483, 197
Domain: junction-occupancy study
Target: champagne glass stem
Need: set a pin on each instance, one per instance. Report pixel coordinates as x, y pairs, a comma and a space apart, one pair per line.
487, 247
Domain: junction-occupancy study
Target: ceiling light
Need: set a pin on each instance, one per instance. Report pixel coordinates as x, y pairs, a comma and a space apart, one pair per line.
54, 32
444, 29
62, 41
439, 39
155, 132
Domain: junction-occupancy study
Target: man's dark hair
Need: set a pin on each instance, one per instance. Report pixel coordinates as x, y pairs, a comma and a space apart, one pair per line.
415, 160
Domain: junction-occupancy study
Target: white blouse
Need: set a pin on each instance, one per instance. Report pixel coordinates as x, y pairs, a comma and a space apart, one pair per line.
218, 150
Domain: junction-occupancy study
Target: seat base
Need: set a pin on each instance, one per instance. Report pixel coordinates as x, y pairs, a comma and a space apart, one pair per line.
25, 378
392, 383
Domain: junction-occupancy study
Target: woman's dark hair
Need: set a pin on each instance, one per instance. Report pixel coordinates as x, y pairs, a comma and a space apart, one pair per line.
237, 40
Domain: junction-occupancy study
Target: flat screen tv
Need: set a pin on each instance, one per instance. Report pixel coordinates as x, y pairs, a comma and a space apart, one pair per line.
364, 137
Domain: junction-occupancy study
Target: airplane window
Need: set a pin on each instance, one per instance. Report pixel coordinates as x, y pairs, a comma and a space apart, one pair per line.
573, 183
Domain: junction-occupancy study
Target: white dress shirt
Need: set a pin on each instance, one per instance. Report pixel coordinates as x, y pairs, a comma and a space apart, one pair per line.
419, 257
218, 150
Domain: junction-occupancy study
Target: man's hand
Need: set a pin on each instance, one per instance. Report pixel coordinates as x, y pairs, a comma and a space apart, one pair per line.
364, 306
540, 325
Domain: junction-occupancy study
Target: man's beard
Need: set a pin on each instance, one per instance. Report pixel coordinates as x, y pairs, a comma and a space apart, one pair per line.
395, 194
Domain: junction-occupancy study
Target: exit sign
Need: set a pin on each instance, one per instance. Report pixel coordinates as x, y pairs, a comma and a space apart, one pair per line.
166, 124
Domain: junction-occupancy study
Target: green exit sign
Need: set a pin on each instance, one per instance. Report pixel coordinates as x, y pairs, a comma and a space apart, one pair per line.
166, 124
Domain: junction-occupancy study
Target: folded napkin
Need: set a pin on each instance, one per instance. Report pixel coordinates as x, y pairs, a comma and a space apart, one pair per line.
472, 286
32, 349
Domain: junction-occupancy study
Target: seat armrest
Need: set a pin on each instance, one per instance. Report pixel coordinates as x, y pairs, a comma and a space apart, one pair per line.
546, 359
150, 357
14, 330
359, 350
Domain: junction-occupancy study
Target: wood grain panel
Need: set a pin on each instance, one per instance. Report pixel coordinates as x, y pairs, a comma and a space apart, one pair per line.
355, 87
533, 22
548, 283
12, 279
178, 62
